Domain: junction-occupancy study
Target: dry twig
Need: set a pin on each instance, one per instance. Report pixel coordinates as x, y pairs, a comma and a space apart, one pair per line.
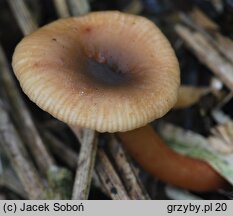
27, 127
78, 7
85, 166
24, 18
211, 48
134, 7
8, 180
14, 148
132, 182
109, 178
70, 157
64, 153
23, 118
61, 8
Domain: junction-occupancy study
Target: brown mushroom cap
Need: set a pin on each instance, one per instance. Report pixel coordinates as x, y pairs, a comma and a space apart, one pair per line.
107, 71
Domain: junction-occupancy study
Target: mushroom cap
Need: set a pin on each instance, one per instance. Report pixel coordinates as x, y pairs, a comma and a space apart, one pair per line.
107, 71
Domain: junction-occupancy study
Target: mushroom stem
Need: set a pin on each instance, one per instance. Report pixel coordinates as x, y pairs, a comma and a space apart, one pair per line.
176, 169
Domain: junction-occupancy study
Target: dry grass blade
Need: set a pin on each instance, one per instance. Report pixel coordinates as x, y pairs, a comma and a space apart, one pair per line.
132, 182
109, 178
14, 148
24, 18
85, 166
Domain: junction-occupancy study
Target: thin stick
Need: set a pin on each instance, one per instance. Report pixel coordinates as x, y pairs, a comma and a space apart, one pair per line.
197, 20
14, 148
23, 118
207, 54
224, 101
214, 50
109, 177
70, 157
61, 8
78, 7
132, 182
24, 18
26, 127
64, 153
8, 180
134, 7
86, 161
97, 183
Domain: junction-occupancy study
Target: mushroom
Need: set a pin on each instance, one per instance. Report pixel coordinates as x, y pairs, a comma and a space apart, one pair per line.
110, 72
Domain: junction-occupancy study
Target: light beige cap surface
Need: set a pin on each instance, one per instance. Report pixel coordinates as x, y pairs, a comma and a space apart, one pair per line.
107, 71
